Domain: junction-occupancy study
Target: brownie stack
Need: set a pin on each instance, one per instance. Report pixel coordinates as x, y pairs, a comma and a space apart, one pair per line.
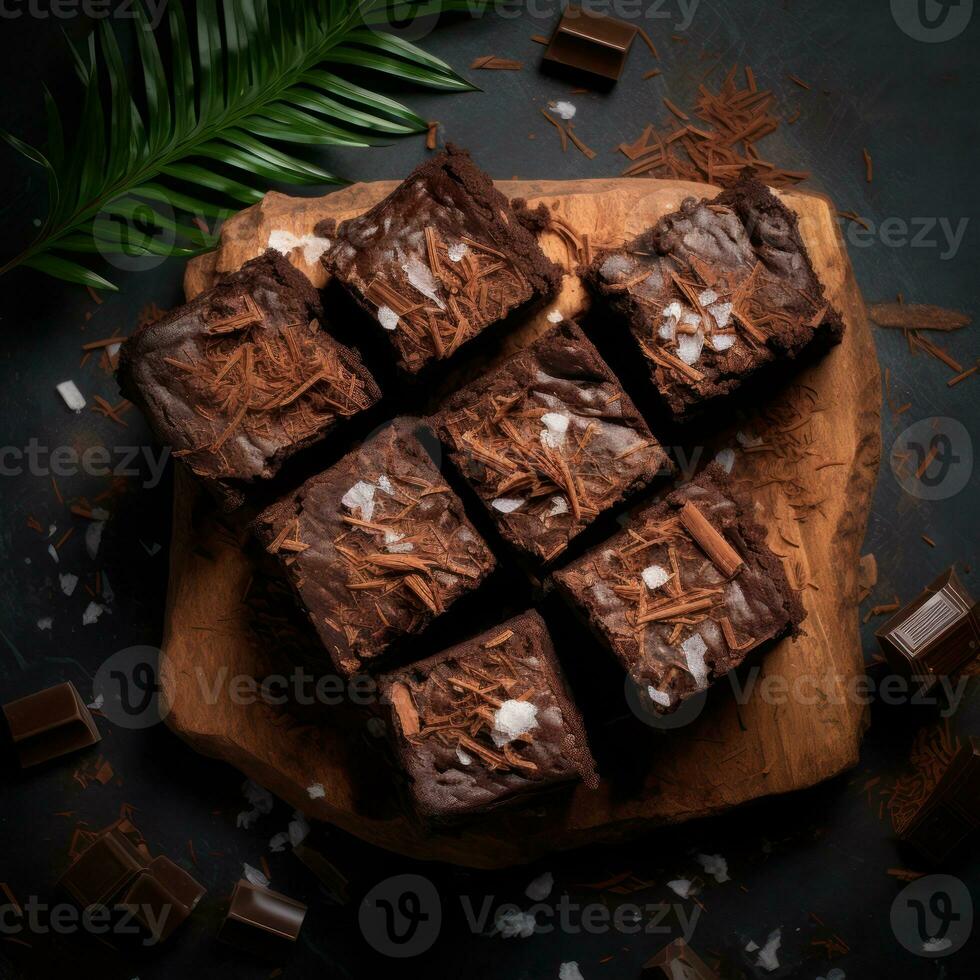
379, 543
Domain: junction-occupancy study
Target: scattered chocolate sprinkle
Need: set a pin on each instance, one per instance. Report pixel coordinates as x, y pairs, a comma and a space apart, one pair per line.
430, 136
727, 560
917, 316
540, 39
868, 166
652, 73
492, 62
962, 376
796, 80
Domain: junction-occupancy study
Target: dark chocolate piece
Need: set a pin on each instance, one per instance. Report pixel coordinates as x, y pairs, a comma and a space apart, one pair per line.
549, 440
951, 812
487, 722
261, 920
375, 547
244, 376
715, 292
590, 43
154, 896
936, 634
677, 961
50, 724
103, 870
685, 591
440, 260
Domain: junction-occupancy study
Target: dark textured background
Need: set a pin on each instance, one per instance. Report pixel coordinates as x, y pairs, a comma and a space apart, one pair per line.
820, 853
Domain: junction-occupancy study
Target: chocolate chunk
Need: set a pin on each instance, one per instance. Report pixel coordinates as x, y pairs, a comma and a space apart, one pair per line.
590, 43
50, 724
487, 722
677, 961
262, 921
936, 634
147, 899
681, 602
951, 812
549, 440
376, 547
439, 261
103, 870
714, 293
244, 376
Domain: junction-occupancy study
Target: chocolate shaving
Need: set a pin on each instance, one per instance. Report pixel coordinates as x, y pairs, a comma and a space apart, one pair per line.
725, 558
917, 316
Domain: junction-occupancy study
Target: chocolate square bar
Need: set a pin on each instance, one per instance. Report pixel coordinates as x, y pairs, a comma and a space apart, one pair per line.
549, 440
950, 813
439, 260
685, 591
487, 722
591, 43
937, 633
715, 292
376, 547
244, 376
50, 724
262, 921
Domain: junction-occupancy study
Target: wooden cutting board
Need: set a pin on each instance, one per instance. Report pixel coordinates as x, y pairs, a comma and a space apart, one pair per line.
812, 477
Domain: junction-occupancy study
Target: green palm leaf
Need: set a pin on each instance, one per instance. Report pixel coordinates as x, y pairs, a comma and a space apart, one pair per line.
197, 138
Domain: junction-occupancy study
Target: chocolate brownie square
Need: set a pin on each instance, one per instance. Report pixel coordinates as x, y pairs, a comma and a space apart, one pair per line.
715, 292
244, 376
439, 260
548, 441
487, 722
376, 547
685, 591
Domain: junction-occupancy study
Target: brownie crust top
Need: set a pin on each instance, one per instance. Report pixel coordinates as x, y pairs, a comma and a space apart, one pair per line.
686, 590
549, 440
440, 259
715, 291
486, 720
243, 375
376, 546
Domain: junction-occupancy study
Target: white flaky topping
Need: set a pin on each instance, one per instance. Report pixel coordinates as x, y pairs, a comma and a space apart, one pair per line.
722, 312
708, 297
559, 505
654, 576
464, 757
285, 241
658, 696
689, 347
722, 341
507, 505
456, 251
694, 649
420, 276
388, 318
513, 719
555, 316
555, 426
726, 459
360, 498
73, 398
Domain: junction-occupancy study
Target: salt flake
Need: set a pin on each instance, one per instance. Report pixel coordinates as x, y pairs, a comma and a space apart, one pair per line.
659, 697
570, 971
92, 613
456, 251
767, 955
726, 459
73, 398
464, 757
285, 241
511, 922
45, 623
360, 498
681, 887
388, 318
68, 582
555, 316
654, 576
694, 649
539, 889
566, 110
316, 791
715, 865
255, 876
507, 505
555, 426
513, 719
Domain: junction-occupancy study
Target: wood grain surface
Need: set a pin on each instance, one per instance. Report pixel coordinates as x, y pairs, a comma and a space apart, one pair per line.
809, 457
